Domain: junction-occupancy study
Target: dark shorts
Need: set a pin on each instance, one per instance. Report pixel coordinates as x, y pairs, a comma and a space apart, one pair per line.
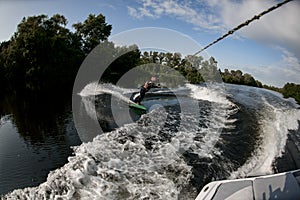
137, 97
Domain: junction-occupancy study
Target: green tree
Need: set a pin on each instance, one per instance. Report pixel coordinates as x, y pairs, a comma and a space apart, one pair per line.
288, 90
187, 67
3, 79
209, 70
92, 31
291, 90
191, 68
249, 80
42, 54
272, 88
237, 77
145, 57
176, 59
126, 59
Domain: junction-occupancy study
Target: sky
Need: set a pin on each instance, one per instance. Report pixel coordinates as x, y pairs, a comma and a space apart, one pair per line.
268, 48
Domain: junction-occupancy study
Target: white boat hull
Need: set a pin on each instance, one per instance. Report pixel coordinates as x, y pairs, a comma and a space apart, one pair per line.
278, 186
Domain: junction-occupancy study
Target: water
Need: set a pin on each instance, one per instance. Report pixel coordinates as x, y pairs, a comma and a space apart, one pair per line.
190, 136
35, 137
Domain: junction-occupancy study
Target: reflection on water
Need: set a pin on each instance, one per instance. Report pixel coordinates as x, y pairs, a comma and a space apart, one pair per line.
36, 134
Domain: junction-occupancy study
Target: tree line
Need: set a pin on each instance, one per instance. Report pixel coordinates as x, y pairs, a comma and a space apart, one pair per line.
196, 69
44, 55
288, 90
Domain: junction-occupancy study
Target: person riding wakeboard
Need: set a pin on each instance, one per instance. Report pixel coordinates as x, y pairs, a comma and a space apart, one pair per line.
138, 97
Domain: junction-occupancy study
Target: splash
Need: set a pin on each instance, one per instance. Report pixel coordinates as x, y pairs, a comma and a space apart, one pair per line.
146, 159
275, 121
5, 119
212, 93
117, 165
94, 88
215, 120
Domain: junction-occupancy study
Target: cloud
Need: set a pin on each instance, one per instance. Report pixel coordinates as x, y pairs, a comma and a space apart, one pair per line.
278, 29
291, 61
278, 74
199, 16
133, 12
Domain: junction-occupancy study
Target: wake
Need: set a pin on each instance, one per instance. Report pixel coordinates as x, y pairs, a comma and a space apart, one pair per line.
276, 117
94, 89
159, 155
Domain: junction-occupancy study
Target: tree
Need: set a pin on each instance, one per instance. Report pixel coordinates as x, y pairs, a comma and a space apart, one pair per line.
191, 68
249, 80
145, 57
209, 70
194, 61
176, 59
42, 54
92, 31
237, 77
126, 59
291, 90
187, 67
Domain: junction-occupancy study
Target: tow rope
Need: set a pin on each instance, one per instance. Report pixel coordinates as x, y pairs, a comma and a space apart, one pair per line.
246, 23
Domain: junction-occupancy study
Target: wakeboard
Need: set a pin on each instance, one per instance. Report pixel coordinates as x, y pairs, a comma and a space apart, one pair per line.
138, 109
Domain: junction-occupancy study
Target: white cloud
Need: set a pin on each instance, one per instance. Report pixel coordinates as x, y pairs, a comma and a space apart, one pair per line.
139, 13
291, 61
199, 16
277, 74
132, 11
274, 76
278, 29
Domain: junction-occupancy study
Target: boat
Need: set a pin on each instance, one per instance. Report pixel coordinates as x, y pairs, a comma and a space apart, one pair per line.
277, 186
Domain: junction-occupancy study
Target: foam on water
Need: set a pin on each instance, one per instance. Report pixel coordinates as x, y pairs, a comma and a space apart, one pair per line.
144, 159
275, 121
211, 92
5, 119
135, 161
215, 120
117, 165
94, 88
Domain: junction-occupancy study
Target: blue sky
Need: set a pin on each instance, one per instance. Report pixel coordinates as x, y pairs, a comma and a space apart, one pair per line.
269, 48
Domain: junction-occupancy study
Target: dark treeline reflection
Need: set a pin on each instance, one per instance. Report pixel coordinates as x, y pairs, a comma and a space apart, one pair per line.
36, 135
38, 116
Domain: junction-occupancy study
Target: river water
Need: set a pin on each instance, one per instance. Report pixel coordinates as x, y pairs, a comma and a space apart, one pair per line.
35, 137
190, 136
